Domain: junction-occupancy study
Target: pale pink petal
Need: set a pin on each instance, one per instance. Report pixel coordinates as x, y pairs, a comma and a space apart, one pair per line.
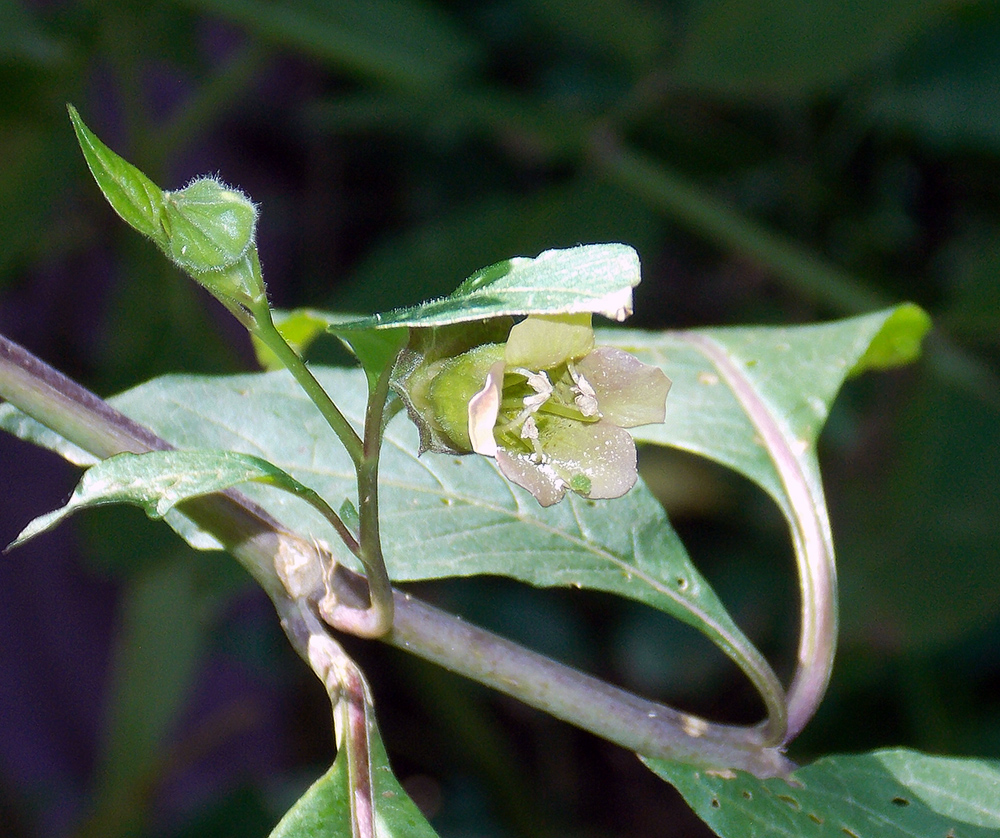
540, 479
484, 407
629, 392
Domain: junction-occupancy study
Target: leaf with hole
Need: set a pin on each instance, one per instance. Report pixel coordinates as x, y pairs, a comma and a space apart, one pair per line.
883, 794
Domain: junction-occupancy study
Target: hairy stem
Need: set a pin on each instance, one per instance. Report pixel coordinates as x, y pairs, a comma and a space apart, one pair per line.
257, 540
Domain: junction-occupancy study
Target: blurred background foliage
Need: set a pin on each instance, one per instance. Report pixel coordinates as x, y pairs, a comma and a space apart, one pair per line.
773, 161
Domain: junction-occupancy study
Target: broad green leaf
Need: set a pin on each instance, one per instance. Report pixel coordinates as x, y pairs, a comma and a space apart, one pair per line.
456, 516
734, 388
159, 480
324, 810
889, 794
750, 49
440, 515
596, 278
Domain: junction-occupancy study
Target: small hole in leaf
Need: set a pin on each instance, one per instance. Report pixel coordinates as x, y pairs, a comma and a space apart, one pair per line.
446, 501
747, 795
682, 583
715, 803
815, 818
791, 801
849, 832
900, 801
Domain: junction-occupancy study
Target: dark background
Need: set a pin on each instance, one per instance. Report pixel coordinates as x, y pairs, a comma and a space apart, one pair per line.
773, 161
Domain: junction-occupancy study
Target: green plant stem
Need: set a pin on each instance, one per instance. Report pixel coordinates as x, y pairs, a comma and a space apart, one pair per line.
256, 539
375, 618
263, 328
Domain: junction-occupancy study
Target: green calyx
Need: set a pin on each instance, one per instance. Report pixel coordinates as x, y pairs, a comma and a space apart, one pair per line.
207, 228
455, 383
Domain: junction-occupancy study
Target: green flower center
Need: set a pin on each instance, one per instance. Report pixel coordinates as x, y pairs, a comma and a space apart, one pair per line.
531, 398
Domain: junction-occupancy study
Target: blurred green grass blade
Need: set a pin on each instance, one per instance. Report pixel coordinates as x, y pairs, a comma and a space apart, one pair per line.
944, 87
632, 32
889, 794
160, 641
401, 43
430, 261
779, 49
23, 39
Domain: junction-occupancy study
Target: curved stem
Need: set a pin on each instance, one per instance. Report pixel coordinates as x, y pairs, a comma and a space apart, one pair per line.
811, 538
375, 618
257, 540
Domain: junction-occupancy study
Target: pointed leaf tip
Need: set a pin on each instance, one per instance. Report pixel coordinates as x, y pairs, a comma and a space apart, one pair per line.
131, 194
898, 342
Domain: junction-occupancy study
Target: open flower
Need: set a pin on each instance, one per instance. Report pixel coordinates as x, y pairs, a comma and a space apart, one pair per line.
549, 406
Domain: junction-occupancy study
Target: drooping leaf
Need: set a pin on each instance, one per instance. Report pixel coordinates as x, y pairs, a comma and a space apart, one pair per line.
456, 516
889, 794
159, 480
324, 810
596, 278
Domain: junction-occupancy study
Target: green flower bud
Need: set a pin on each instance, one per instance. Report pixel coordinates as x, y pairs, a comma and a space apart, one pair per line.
209, 226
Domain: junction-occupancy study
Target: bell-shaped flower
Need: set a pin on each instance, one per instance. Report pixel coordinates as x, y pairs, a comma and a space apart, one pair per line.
550, 407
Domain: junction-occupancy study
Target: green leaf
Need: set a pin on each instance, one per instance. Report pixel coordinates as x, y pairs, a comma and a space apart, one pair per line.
299, 328
456, 516
885, 793
441, 515
131, 194
898, 342
159, 480
729, 384
324, 810
749, 49
375, 349
596, 278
